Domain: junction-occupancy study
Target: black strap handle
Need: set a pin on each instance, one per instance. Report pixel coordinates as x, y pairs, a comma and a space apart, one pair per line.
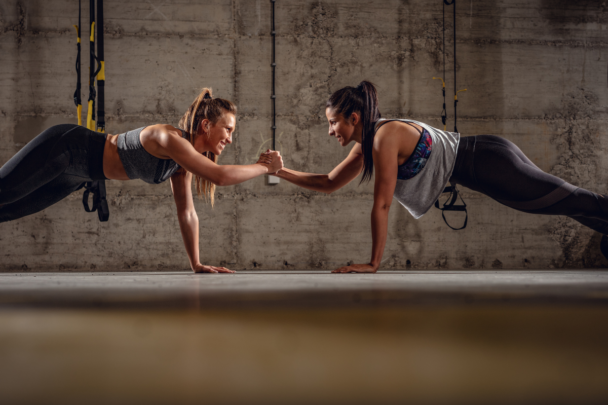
88, 189
450, 205
100, 204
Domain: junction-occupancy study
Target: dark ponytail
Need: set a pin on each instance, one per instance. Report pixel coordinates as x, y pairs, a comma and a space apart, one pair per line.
362, 99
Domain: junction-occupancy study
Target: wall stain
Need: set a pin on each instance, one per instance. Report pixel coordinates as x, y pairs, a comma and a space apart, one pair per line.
320, 22
20, 26
497, 264
562, 13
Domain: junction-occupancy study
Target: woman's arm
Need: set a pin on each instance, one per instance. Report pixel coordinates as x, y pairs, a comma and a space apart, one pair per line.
386, 162
184, 154
340, 176
188, 221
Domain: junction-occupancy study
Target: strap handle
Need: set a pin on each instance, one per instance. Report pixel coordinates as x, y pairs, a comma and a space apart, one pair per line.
100, 204
450, 205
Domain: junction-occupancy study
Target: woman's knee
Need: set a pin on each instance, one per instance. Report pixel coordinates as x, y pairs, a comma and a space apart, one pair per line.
584, 203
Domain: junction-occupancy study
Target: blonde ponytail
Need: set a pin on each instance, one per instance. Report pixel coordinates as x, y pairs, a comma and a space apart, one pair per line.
203, 107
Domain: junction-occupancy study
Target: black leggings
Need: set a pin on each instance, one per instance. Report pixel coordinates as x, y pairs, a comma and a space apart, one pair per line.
497, 168
53, 165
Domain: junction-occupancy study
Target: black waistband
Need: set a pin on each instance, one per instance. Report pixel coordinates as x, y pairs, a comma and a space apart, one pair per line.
97, 142
463, 156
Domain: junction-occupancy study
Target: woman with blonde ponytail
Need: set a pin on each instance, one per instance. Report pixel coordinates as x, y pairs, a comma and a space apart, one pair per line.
62, 158
413, 162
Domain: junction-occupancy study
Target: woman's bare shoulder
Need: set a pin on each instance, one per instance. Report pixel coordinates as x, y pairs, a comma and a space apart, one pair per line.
397, 129
159, 139
162, 129
393, 126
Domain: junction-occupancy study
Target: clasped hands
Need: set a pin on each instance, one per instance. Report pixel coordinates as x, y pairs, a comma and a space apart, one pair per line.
272, 160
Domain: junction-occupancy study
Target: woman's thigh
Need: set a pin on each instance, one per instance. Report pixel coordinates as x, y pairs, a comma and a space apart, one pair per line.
497, 168
40, 161
41, 198
504, 173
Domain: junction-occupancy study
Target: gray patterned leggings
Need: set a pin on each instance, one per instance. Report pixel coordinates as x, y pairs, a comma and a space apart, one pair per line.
497, 168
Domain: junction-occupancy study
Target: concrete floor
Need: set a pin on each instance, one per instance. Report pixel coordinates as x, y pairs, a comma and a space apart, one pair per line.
304, 337
309, 288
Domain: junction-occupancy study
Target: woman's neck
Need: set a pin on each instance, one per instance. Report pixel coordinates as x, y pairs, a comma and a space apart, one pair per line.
358, 132
200, 145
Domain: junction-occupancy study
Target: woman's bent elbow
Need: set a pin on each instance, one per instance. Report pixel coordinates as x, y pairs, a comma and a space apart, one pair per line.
328, 188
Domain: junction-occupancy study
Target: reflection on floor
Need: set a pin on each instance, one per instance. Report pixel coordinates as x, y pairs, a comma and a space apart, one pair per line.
305, 337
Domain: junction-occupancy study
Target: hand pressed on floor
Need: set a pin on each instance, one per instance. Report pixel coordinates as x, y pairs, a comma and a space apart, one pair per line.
201, 268
356, 268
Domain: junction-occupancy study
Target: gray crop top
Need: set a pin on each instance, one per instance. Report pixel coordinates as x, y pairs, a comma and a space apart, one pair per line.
139, 164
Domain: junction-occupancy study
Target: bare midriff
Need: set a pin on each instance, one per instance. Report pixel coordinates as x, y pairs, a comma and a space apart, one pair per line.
112, 165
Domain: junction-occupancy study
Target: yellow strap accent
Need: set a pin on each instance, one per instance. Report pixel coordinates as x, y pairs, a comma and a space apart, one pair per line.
79, 112
440, 78
92, 39
456, 95
445, 127
90, 122
77, 32
102, 72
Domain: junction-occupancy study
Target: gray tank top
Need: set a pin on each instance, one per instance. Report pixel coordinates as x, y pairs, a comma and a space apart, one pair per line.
419, 193
139, 164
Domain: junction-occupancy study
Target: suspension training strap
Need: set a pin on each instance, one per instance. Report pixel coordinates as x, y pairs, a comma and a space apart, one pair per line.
77, 99
453, 2
103, 211
96, 188
101, 76
444, 113
92, 70
450, 205
454, 39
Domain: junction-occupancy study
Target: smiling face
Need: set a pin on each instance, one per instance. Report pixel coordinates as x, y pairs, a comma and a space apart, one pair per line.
345, 130
216, 136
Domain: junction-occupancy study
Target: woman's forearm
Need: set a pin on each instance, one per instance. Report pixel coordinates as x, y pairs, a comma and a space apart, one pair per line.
188, 225
379, 231
236, 174
311, 181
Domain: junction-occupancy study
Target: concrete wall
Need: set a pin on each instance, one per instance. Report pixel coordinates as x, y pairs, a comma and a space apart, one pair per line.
536, 73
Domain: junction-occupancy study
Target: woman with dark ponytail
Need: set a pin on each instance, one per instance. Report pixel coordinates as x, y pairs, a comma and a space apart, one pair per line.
414, 161
63, 158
